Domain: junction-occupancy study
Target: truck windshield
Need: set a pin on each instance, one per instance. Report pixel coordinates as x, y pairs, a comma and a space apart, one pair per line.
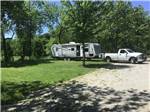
130, 51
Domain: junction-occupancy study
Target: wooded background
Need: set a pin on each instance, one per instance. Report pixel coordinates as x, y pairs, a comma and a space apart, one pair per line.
113, 24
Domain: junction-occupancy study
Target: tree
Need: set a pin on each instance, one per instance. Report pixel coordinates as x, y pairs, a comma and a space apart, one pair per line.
26, 26
141, 24
38, 47
8, 11
121, 25
61, 28
80, 21
53, 16
28, 17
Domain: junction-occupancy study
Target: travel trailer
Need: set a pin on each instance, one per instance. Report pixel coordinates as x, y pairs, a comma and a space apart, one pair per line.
75, 50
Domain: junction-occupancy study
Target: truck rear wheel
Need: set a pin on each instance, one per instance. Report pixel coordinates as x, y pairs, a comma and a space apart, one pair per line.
133, 60
108, 59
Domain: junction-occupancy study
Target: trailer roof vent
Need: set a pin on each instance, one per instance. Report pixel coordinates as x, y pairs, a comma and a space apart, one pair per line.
71, 42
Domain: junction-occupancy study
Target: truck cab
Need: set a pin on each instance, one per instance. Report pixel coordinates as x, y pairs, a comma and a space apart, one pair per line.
124, 54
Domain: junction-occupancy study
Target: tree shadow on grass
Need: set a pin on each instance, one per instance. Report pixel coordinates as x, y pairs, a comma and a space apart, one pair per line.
79, 97
107, 66
12, 92
20, 63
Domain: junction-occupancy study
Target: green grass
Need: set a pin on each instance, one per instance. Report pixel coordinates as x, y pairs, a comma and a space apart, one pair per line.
51, 72
20, 79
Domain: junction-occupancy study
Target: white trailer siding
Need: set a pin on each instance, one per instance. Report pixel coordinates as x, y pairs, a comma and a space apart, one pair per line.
56, 50
75, 50
69, 50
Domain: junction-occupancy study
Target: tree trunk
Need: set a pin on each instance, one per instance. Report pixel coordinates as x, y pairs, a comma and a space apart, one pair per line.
59, 35
30, 32
30, 43
83, 61
23, 53
4, 48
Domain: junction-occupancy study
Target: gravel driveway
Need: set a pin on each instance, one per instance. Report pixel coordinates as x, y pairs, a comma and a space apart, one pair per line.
116, 87
120, 76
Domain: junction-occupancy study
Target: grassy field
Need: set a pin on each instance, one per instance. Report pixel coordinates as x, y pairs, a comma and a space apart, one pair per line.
49, 72
20, 79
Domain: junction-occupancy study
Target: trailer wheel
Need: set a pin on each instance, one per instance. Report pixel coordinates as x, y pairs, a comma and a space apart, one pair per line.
108, 59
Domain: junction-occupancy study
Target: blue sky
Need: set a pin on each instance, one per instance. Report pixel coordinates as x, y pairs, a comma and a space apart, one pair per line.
135, 3
144, 3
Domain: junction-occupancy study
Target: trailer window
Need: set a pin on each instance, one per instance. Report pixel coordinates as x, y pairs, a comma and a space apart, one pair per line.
86, 49
72, 49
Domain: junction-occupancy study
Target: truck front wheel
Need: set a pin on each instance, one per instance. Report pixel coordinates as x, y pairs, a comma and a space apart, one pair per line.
108, 59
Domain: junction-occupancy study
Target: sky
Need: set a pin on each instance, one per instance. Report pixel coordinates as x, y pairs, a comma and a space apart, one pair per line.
135, 3
144, 3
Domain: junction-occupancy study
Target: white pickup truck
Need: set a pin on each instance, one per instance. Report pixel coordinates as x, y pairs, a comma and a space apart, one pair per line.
125, 55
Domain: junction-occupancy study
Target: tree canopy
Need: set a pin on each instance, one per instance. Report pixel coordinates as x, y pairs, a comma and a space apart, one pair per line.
113, 24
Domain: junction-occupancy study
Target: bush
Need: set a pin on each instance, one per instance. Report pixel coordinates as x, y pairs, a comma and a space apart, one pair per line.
38, 48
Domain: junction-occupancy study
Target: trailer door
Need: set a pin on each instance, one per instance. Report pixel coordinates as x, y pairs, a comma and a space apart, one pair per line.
58, 52
78, 50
